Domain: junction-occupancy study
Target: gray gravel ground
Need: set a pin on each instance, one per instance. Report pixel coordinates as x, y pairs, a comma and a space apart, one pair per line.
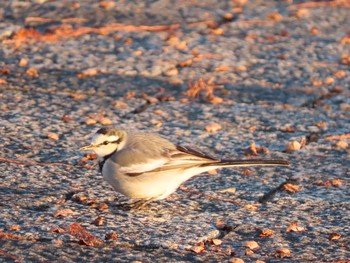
282, 81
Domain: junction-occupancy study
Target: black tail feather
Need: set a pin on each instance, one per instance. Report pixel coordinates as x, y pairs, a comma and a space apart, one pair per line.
251, 162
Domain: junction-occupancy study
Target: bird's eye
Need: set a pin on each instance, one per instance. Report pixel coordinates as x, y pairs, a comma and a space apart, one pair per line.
106, 142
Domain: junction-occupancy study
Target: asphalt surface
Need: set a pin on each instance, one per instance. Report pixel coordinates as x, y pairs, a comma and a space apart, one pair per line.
275, 72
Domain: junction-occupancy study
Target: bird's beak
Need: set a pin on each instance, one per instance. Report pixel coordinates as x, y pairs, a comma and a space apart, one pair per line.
87, 148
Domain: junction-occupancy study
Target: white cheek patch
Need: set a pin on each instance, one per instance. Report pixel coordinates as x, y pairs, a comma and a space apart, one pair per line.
112, 138
98, 138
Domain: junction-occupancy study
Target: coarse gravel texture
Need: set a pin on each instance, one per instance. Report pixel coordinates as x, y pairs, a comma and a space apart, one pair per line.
280, 80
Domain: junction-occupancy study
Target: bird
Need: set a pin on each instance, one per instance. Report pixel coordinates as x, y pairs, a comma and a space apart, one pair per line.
147, 167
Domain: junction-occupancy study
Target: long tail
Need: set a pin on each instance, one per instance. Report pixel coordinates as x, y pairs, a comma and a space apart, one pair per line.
253, 162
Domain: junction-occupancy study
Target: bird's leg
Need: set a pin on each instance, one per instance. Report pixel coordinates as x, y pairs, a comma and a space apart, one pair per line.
141, 203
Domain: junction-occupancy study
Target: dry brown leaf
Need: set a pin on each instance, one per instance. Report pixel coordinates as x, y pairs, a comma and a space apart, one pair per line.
90, 121
249, 252
77, 96
338, 137
247, 172
334, 236
14, 227
171, 72
88, 73
102, 206
86, 238
107, 4
292, 188
57, 230
10, 236
197, 249
216, 241
185, 63
345, 59
3, 81
329, 81
212, 172
129, 94
266, 232
253, 245
99, 221
283, 253
241, 68
341, 144
64, 212
53, 136
228, 190
336, 182
239, 3
120, 104
228, 17
345, 40
295, 227
301, 13
23, 62
32, 72
275, 16
60, 201
66, 118
223, 68
105, 121
111, 236
339, 74
236, 260
217, 31
213, 127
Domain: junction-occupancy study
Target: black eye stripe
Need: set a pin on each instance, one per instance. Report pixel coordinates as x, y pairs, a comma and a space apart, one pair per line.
108, 142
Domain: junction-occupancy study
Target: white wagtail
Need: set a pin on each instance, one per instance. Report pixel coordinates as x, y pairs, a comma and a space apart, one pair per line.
148, 167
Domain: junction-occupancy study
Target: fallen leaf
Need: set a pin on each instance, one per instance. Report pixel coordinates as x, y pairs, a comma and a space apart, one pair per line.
88, 73
266, 232
223, 68
334, 236
57, 230
10, 236
32, 72
53, 136
340, 74
283, 253
216, 241
105, 121
120, 104
295, 227
107, 4
66, 118
77, 96
64, 212
213, 127
23, 62
90, 121
111, 236
302, 13
86, 238
98, 221
292, 188
171, 72
341, 144
247, 172
329, 81
249, 252
197, 249
3, 81
275, 16
228, 190
236, 260
253, 245
336, 182
14, 227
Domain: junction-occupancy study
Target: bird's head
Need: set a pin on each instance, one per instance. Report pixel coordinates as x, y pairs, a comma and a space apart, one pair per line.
105, 141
